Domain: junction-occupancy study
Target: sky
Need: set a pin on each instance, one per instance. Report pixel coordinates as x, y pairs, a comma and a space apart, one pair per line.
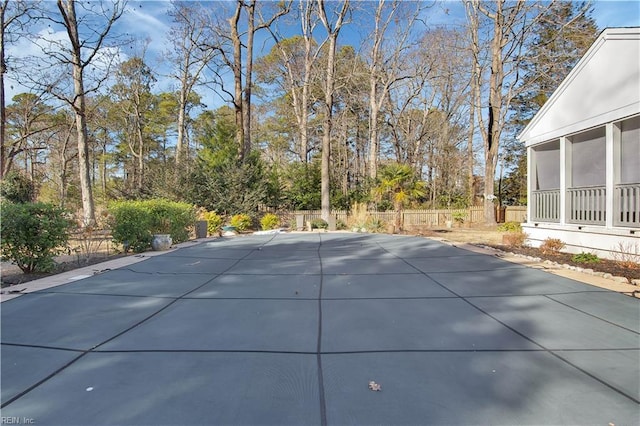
148, 20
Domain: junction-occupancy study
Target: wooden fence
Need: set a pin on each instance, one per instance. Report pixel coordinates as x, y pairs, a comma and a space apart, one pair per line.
431, 218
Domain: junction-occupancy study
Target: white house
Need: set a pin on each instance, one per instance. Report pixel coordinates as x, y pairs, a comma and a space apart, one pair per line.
583, 149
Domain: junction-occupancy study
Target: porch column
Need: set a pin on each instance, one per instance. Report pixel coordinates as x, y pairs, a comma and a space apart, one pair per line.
531, 170
609, 173
565, 178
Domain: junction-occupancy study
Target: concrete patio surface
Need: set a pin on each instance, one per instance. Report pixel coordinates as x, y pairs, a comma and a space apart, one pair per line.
290, 329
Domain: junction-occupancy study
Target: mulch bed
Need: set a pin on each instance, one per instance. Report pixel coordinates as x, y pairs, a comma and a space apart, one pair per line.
604, 265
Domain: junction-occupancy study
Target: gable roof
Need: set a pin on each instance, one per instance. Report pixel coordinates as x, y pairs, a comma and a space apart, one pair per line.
604, 86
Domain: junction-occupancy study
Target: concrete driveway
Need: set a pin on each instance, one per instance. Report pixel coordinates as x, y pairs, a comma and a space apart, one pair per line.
290, 329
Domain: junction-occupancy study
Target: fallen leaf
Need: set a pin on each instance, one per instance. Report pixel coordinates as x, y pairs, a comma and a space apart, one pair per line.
374, 386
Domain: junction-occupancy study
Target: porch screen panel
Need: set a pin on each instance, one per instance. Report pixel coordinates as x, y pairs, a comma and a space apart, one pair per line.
630, 151
547, 163
588, 153
627, 189
545, 197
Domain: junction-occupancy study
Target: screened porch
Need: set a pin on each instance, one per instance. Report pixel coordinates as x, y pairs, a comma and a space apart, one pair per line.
580, 178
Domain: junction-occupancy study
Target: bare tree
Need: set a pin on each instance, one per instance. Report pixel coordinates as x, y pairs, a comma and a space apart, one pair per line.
79, 64
235, 45
190, 55
333, 29
474, 93
82, 59
511, 23
299, 76
386, 63
28, 118
12, 20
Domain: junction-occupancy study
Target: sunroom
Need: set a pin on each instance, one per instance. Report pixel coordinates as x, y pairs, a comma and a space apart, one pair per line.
583, 150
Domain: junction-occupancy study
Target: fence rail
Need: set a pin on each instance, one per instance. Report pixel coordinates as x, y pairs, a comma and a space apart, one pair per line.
546, 205
430, 218
627, 205
587, 205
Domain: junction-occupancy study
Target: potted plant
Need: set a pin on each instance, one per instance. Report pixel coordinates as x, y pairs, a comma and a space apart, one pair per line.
161, 234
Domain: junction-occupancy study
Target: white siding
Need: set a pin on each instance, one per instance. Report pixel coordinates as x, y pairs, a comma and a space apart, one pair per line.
604, 86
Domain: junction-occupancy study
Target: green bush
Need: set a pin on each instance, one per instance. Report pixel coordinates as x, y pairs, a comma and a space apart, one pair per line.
585, 257
459, 217
171, 217
130, 225
32, 234
319, 224
375, 225
17, 188
510, 227
241, 222
269, 221
134, 222
214, 222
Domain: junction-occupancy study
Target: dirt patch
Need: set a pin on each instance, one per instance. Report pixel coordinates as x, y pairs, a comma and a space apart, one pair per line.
12, 275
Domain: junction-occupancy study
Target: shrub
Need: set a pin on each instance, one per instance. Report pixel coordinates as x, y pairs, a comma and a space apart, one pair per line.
358, 216
319, 224
269, 221
134, 222
17, 188
551, 246
130, 225
170, 217
459, 217
514, 239
214, 222
32, 234
376, 225
585, 257
628, 255
241, 221
510, 227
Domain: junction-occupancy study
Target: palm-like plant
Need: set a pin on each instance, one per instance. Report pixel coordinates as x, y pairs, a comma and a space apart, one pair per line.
400, 183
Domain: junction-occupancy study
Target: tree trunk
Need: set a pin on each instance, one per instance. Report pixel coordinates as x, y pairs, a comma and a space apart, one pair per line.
3, 70
474, 98
182, 112
494, 125
246, 102
325, 176
237, 80
89, 218
332, 31
69, 13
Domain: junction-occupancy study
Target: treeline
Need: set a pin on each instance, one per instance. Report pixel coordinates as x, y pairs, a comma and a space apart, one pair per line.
313, 116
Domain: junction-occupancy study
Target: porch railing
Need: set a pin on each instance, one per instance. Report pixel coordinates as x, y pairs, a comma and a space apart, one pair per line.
587, 205
546, 205
627, 205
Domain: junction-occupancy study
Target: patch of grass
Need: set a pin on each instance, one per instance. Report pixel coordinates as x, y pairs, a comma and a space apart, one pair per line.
510, 227
319, 224
585, 257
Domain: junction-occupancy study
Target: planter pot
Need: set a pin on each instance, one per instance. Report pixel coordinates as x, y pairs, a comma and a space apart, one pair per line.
161, 242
